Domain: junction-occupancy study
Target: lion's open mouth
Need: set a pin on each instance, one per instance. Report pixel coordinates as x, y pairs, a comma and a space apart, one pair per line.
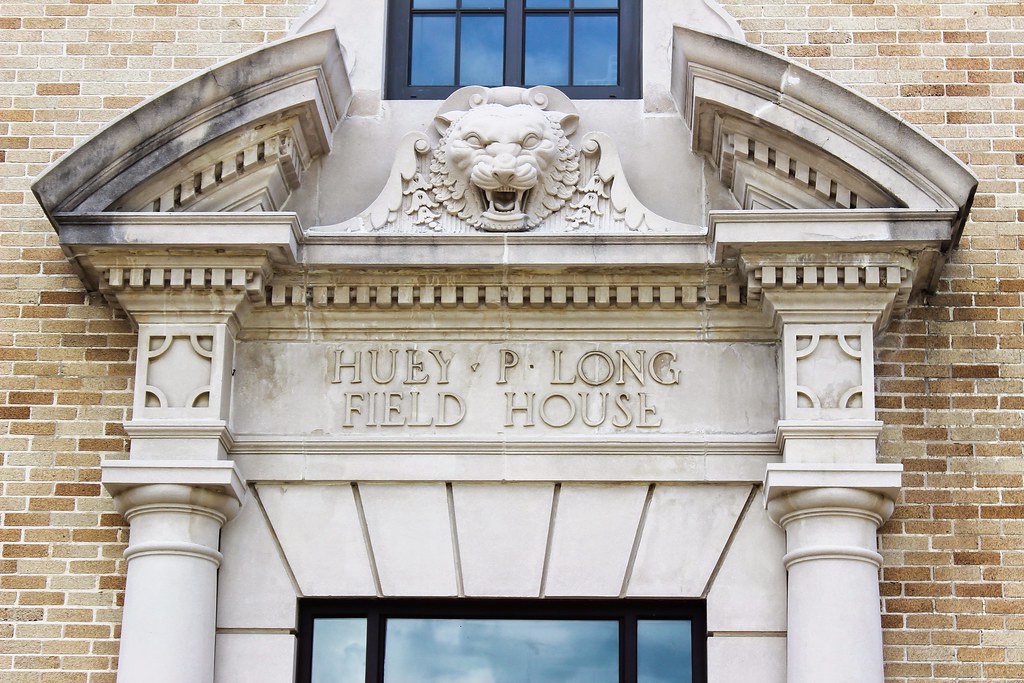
504, 201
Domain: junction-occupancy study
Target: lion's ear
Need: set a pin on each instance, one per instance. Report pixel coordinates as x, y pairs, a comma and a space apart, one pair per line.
568, 122
443, 120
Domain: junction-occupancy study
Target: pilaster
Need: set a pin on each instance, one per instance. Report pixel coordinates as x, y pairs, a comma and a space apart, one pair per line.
178, 488
829, 493
176, 510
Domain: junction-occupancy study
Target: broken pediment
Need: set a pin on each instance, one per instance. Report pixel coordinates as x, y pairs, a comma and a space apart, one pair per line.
219, 184
235, 137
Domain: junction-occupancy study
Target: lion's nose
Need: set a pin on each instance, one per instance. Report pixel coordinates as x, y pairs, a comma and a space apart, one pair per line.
504, 168
504, 176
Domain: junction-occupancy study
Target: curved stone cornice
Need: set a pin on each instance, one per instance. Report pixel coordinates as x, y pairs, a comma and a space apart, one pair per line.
804, 141
298, 87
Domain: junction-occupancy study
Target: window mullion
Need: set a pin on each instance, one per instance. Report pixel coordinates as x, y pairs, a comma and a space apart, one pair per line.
627, 649
375, 640
515, 41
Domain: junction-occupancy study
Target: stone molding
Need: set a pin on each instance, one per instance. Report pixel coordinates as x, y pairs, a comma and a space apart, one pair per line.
144, 262
149, 154
219, 477
783, 479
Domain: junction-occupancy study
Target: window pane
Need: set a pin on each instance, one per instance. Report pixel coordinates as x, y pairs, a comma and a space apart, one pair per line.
596, 4
482, 58
546, 4
339, 651
595, 50
501, 651
483, 4
433, 4
546, 61
663, 653
433, 50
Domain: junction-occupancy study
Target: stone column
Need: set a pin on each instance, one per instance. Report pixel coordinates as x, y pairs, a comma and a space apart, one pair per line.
829, 493
178, 488
831, 516
176, 512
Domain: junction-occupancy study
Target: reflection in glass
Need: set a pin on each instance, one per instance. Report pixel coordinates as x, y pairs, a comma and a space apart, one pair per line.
596, 4
482, 56
546, 61
433, 4
433, 50
339, 651
595, 50
501, 651
663, 653
547, 4
483, 4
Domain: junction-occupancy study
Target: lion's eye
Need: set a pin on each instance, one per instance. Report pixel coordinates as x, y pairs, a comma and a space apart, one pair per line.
531, 140
474, 140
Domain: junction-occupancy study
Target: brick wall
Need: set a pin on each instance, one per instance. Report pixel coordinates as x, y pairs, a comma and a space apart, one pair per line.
951, 379
66, 363
950, 376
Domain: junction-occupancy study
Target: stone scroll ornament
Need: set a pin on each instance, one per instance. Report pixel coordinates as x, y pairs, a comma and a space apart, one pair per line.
504, 163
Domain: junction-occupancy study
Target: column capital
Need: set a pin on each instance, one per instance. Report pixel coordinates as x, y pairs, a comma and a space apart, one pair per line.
790, 487
213, 485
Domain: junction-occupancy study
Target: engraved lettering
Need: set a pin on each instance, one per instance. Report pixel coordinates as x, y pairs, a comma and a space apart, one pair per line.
443, 401
585, 409
391, 408
351, 408
442, 364
647, 409
371, 410
596, 379
511, 408
556, 372
655, 365
546, 416
625, 362
414, 366
340, 364
507, 358
625, 416
414, 411
375, 369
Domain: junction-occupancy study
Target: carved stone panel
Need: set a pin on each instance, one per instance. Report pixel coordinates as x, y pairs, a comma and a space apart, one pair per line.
181, 372
828, 372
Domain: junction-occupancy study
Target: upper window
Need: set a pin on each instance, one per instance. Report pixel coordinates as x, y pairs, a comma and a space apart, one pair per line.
503, 641
587, 48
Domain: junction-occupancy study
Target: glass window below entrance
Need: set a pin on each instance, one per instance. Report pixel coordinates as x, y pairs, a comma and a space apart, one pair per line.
474, 641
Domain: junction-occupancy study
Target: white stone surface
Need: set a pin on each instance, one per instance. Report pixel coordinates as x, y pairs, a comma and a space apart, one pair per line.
749, 592
410, 532
503, 532
750, 659
254, 589
321, 536
685, 532
255, 658
719, 389
170, 604
834, 626
594, 531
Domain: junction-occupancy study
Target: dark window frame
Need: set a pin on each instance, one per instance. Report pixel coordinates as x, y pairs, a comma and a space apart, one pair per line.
376, 611
398, 51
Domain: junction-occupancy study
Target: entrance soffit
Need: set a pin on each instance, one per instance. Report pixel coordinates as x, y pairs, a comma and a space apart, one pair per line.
186, 192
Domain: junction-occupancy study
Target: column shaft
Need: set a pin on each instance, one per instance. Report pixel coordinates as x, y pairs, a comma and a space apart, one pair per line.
835, 631
169, 621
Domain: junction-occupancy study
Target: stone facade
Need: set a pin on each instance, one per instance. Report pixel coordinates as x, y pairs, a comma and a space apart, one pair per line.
947, 372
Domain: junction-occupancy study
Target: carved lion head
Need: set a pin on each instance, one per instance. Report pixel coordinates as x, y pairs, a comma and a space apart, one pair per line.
504, 167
